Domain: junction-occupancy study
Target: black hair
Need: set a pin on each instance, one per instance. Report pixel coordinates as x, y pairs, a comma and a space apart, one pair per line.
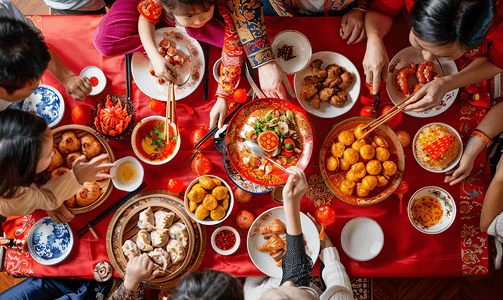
24, 56
209, 285
22, 135
188, 6
447, 21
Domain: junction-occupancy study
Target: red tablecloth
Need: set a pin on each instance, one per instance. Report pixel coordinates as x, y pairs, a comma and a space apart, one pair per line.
406, 251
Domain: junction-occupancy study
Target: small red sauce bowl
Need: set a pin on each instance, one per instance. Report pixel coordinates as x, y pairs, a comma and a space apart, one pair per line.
223, 232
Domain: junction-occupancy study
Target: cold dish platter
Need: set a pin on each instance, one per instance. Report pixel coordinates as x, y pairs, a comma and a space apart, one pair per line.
280, 129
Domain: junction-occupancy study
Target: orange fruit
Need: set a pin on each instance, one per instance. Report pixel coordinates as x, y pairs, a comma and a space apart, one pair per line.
156, 105
239, 96
81, 114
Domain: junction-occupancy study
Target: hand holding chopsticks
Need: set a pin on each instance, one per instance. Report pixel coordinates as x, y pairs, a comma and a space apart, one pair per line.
170, 110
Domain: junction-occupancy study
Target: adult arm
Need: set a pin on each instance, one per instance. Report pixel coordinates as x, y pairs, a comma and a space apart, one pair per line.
493, 201
490, 125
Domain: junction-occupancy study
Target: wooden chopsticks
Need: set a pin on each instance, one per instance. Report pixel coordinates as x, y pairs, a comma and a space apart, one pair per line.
170, 110
128, 77
107, 211
382, 119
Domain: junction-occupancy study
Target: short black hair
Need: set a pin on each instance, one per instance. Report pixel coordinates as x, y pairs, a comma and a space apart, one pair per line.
188, 6
24, 56
22, 135
209, 285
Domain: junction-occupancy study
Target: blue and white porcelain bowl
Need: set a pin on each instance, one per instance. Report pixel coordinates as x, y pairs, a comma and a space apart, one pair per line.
47, 102
50, 243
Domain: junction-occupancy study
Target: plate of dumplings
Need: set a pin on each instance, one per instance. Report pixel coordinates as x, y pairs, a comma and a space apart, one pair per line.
162, 231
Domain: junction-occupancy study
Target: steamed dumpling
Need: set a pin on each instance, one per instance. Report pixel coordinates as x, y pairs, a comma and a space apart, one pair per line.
130, 249
146, 220
176, 251
178, 231
161, 258
159, 237
163, 219
143, 241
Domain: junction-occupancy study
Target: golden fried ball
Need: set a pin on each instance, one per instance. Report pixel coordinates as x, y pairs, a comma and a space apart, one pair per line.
369, 182
382, 180
209, 202
360, 191
358, 144
220, 192
344, 165
196, 194
373, 167
218, 213
367, 152
351, 156
347, 187
389, 168
192, 206
380, 141
346, 137
382, 154
218, 182
337, 149
225, 203
359, 170
359, 132
332, 164
350, 175
201, 212
207, 182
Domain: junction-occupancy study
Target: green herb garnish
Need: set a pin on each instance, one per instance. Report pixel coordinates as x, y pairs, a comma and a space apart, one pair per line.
159, 141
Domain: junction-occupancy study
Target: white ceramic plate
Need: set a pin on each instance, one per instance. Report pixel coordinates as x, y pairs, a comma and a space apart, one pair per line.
448, 205
93, 71
233, 249
50, 243
327, 110
47, 102
180, 40
403, 59
301, 50
362, 239
139, 176
261, 259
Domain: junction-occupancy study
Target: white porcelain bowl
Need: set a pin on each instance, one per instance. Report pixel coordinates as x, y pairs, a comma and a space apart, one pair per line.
133, 185
93, 71
454, 163
301, 50
362, 239
208, 220
135, 149
448, 205
225, 252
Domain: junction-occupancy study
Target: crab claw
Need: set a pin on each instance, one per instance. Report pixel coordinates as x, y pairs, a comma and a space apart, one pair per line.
126, 121
109, 103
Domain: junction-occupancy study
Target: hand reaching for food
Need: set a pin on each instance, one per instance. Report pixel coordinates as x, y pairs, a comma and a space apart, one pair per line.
274, 227
375, 64
429, 96
352, 26
162, 70
88, 171
139, 268
295, 187
77, 87
218, 113
273, 79
463, 170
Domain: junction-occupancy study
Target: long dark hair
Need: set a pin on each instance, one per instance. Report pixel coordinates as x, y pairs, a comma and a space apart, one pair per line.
188, 6
22, 135
447, 21
209, 285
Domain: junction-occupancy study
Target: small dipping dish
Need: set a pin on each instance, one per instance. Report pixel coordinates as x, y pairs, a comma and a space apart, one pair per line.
225, 240
362, 239
277, 194
97, 78
128, 174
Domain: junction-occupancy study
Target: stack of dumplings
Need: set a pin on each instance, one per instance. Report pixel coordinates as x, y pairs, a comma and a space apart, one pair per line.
163, 240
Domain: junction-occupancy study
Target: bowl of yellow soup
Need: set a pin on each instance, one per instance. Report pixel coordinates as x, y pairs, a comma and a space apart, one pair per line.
128, 174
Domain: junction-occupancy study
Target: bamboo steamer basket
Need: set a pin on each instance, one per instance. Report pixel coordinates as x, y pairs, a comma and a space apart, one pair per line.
106, 185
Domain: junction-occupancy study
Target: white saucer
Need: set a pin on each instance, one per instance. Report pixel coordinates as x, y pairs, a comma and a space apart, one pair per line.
139, 177
93, 71
225, 252
301, 50
362, 239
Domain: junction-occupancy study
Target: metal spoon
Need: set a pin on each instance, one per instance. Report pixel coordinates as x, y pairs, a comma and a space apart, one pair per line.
257, 150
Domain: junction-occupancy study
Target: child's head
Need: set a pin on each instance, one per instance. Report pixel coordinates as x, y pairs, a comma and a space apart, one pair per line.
191, 13
209, 285
25, 149
24, 57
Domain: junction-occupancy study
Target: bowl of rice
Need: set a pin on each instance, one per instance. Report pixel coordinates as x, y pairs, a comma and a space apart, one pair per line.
426, 136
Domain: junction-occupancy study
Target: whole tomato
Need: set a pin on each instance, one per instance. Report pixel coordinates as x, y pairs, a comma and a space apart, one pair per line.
394, 121
368, 111
197, 135
81, 114
325, 215
175, 186
156, 105
366, 101
201, 165
404, 137
239, 95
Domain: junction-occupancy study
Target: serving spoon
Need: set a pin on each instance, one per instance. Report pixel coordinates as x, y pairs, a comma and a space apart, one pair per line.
257, 150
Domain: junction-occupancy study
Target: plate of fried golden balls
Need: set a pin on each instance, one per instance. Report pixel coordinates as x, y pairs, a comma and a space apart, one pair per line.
209, 200
361, 171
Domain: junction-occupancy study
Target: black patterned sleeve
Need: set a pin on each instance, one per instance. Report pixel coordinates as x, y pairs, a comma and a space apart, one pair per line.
296, 263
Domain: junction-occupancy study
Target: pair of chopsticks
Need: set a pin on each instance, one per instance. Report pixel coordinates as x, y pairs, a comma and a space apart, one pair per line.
106, 212
170, 110
128, 76
206, 70
384, 118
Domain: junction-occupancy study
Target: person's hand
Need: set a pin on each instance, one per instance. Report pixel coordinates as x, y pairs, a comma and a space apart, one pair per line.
161, 68
88, 171
375, 64
77, 87
272, 79
295, 187
464, 169
218, 113
326, 240
353, 27
429, 95
61, 214
139, 268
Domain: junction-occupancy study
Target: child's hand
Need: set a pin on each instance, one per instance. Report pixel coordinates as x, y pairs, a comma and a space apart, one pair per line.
87, 171
295, 187
60, 215
352, 26
161, 68
464, 169
139, 268
218, 113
